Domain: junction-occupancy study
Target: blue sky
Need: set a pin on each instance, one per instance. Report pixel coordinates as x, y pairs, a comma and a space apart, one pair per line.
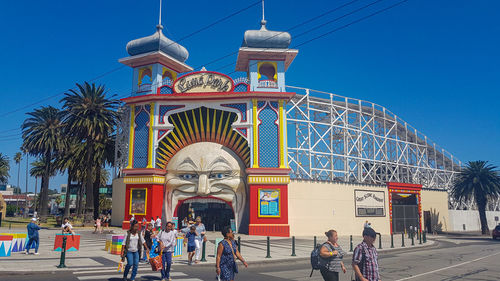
433, 63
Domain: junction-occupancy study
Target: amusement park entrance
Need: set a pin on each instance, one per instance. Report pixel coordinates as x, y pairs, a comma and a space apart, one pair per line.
404, 212
214, 213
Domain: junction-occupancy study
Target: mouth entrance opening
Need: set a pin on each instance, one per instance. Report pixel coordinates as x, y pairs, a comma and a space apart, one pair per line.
215, 213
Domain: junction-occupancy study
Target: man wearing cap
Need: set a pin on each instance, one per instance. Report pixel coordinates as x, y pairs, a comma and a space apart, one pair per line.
365, 258
33, 236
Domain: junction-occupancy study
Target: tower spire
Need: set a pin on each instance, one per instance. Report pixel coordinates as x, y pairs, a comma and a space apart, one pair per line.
159, 26
263, 21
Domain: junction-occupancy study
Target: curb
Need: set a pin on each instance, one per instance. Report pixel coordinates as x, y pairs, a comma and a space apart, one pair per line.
431, 244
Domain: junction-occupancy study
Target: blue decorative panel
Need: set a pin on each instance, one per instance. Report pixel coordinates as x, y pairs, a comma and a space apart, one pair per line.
242, 107
241, 87
141, 137
164, 109
268, 138
165, 90
274, 104
261, 104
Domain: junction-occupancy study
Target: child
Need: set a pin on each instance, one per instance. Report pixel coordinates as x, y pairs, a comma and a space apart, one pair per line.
191, 246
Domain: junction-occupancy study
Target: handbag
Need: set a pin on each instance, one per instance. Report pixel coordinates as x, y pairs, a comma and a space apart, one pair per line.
235, 265
156, 264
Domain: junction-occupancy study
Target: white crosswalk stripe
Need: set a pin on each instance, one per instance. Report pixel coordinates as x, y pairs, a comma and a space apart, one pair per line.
104, 273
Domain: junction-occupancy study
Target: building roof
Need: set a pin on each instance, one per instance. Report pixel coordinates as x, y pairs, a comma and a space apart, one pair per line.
157, 42
264, 38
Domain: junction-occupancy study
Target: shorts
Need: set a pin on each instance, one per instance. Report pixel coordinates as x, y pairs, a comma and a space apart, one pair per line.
191, 248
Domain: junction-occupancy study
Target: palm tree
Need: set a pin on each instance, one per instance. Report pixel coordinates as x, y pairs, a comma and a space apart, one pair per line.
479, 181
42, 136
69, 160
37, 170
17, 158
4, 168
91, 117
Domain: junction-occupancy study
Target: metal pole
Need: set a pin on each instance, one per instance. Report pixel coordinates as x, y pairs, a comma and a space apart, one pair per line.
315, 242
268, 248
293, 246
412, 239
392, 240
425, 237
239, 244
63, 253
203, 251
379, 240
402, 239
420, 238
350, 250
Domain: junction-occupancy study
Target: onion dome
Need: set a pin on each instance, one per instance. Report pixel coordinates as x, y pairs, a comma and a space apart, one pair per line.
157, 42
264, 38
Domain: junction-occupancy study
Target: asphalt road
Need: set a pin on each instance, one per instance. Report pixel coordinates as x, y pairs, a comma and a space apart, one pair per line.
459, 258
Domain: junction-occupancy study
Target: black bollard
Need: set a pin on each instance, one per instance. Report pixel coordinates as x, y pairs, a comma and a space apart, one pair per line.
402, 239
10, 225
314, 247
350, 250
293, 246
268, 248
203, 251
412, 239
392, 240
239, 244
63, 253
425, 237
420, 238
379, 240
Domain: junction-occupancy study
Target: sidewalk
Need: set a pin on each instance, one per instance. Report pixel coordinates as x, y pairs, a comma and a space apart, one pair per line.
253, 248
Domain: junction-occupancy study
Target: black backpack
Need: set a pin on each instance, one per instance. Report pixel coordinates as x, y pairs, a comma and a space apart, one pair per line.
317, 262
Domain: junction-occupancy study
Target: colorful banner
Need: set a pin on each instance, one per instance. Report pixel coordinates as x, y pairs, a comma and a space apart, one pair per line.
269, 202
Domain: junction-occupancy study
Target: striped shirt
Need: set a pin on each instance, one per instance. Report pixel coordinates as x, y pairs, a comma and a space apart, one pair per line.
367, 259
333, 263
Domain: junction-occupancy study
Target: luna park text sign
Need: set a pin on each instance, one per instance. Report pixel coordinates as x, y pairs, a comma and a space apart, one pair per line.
203, 82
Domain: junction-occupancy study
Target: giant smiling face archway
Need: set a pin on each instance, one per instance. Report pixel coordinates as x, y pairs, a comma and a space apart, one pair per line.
205, 158
205, 169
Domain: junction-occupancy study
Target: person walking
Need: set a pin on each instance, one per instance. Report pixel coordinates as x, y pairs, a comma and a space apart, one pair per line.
200, 236
365, 258
148, 237
131, 249
168, 241
98, 225
332, 255
33, 236
158, 223
191, 246
227, 253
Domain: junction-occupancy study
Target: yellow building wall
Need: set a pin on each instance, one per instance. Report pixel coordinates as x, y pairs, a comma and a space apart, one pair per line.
438, 200
315, 207
118, 206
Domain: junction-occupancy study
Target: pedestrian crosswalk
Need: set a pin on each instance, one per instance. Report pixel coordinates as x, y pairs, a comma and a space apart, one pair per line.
110, 273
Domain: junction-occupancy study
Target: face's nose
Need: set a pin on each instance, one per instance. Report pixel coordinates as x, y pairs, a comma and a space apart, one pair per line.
203, 185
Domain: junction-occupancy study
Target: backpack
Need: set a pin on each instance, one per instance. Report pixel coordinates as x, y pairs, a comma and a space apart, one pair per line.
317, 262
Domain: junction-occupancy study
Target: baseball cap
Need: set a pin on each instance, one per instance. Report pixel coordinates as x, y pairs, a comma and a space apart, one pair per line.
369, 232
33, 219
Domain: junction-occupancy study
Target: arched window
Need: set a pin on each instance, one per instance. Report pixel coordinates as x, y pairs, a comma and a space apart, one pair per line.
267, 75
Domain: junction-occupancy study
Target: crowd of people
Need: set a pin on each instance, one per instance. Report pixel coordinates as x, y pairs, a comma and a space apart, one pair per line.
156, 240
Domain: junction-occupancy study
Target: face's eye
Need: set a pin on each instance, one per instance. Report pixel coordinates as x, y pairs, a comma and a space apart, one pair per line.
188, 176
218, 176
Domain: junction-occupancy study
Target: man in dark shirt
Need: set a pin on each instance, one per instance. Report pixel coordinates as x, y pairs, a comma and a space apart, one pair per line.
365, 258
33, 236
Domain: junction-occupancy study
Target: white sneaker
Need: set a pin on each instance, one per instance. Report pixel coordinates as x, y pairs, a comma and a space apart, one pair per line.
37, 254
26, 253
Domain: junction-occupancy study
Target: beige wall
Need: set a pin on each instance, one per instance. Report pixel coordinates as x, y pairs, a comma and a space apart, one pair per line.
118, 212
436, 200
315, 207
